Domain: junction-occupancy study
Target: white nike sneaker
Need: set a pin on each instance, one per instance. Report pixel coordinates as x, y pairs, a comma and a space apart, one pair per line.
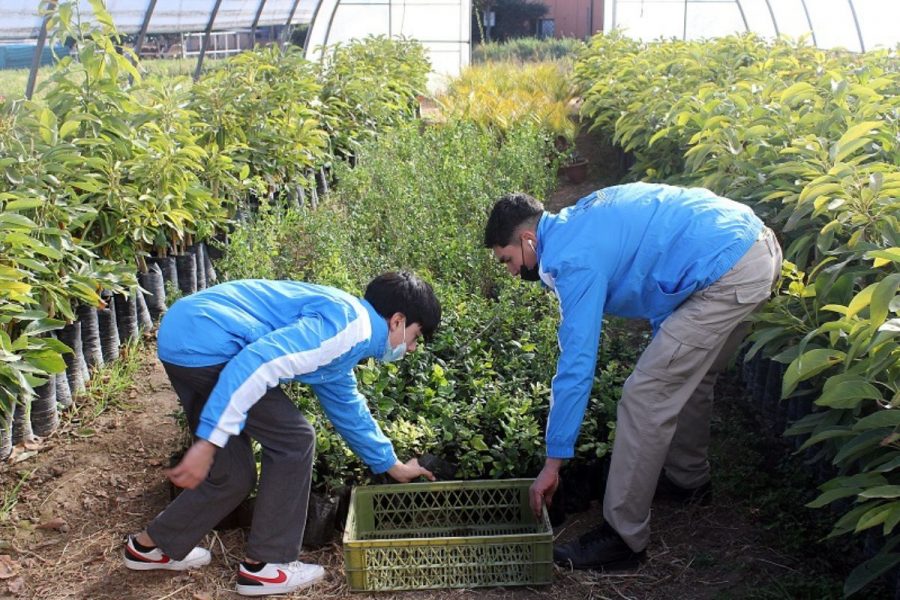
277, 578
156, 559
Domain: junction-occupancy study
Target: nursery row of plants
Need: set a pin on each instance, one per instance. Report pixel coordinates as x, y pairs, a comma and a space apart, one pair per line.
477, 395
108, 174
810, 139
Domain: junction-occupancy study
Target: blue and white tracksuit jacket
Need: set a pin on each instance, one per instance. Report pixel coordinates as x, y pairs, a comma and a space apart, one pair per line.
637, 250
273, 331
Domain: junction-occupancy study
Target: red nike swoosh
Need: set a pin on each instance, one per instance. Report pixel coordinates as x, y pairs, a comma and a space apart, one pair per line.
143, 558
282, 577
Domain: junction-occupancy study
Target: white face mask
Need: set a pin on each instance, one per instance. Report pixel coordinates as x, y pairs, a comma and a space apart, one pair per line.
398, 351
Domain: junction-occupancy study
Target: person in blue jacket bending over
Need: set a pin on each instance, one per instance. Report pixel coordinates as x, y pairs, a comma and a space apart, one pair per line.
225, 350
692, 263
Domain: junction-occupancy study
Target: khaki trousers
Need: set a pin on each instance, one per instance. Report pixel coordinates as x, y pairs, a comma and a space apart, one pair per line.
663, 416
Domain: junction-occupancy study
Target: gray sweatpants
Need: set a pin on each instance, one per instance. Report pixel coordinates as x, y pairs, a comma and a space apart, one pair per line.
663, 416
288, 445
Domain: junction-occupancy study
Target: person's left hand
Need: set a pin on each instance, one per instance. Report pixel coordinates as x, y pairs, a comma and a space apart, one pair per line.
543, 488
406, 472
194, 467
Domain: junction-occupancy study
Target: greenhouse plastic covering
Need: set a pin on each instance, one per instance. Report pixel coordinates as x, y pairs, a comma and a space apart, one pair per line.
443, 26
21, 19
851, 24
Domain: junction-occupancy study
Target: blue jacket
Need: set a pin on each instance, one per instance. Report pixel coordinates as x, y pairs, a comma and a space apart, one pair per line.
273, 331
637, 250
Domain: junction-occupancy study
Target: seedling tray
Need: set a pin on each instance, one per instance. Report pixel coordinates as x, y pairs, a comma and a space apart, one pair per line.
451, 534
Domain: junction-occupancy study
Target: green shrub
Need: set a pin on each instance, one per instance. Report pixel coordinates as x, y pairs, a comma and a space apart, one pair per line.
808, 137
528, 50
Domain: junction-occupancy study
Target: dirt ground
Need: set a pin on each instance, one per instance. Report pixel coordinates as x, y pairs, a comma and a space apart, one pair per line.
85, 488
85, 492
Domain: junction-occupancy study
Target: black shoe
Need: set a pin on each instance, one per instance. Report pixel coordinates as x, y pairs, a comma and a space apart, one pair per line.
600, 548
666, 489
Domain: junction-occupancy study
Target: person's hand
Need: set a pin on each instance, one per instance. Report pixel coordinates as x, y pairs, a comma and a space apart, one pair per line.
542, 490
194, 467
406, 472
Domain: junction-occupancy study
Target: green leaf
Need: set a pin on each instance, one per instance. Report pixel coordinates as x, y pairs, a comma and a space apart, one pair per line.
830, 496
68, 128
24, 204
884, 292
869, 571
883, 257
47, 360
848, 393
861, 300
884, 417
828, 434
859, 445
812, 192
807, 365
797, 93
849, 141
884, 491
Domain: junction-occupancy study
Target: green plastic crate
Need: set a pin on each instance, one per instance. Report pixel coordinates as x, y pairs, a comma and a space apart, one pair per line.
451, 534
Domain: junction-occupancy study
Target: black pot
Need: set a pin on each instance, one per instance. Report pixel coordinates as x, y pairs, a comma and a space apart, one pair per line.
323, 181
440, 468
126, 317
187, 273
21, 426
154, 285
321, 518
90, 336
70, 335
145, 321
6, 417
208, 267
109, 331
44, 416
199, 260
168, 266
63, 392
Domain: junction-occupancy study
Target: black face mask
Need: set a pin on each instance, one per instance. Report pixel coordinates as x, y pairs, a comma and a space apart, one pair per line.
531, 274
528, 274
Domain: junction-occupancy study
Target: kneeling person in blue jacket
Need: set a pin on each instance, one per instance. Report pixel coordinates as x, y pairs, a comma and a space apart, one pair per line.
225, 350
692, 263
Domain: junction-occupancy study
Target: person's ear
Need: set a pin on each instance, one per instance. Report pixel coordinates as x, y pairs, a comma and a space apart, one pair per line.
396, 320
528, 237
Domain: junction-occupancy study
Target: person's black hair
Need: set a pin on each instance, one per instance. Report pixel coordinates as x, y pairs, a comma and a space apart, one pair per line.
510, 212
405, 293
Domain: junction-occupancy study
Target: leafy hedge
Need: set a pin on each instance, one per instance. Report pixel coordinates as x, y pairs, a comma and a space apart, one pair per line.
106, 169
478, 394
527, 50
501, 95
810, 139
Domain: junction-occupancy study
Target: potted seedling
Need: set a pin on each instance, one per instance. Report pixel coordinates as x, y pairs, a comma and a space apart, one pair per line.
574, 166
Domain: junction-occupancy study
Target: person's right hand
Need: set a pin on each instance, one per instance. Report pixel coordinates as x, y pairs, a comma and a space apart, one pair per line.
194, 467
404, 473
542, 490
